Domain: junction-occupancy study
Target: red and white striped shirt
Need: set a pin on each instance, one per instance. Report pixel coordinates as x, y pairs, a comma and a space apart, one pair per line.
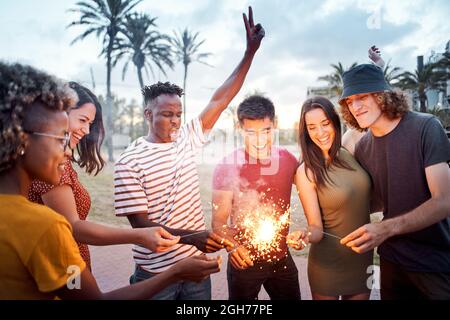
161, 180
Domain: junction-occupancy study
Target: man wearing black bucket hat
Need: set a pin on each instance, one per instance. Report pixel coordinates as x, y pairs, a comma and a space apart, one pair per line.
406, 154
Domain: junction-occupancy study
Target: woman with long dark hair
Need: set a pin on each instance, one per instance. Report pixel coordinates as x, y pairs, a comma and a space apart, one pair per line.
72, 200
335, 194
39, 258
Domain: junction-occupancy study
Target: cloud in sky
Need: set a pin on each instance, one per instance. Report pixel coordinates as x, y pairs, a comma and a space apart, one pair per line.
303, 39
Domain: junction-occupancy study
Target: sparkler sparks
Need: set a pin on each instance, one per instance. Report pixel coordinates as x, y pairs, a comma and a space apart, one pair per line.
261, 231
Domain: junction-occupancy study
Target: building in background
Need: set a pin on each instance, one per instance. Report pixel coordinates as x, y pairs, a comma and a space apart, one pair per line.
439, 98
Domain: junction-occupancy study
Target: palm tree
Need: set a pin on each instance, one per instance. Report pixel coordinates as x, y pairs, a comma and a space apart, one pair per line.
103, 18
424, 78
131, 115
186, 47
391, 74
142, 45
335, 79
444, 62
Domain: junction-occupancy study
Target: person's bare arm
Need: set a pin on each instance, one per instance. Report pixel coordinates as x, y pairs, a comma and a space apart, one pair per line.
430, 212
228, 90
62, 200
350, 139
222, 202
191, 269
308, 197
221, 210
205, 241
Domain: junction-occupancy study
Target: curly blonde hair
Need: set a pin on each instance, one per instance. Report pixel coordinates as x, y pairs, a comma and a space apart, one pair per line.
21, 87
393, 104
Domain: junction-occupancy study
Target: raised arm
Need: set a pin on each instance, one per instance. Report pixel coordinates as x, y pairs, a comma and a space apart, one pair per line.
228, 90
375, 56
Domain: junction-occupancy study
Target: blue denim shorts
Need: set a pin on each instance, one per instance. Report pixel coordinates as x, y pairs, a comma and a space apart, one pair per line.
183, 290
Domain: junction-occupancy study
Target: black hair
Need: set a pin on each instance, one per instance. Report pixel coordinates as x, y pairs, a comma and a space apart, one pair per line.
152, 92
311, 154
89, 146
22, 88
256, 107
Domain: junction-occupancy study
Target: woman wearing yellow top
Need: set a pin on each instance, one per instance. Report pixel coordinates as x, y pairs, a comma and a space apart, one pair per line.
39, 257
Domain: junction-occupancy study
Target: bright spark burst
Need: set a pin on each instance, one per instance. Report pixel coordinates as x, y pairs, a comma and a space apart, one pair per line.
261, 231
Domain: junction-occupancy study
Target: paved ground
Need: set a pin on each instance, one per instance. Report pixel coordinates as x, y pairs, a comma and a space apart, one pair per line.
113, 265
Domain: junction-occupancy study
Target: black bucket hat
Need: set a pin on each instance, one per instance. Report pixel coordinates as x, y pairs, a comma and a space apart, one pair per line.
364, 78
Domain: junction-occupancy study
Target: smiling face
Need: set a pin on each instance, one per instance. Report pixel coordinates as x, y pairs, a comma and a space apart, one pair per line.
44, 157
365, 109
164, 117
258, 137
80, 120
320, 129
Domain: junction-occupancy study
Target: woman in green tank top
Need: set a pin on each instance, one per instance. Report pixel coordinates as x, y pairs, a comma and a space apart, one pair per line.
335, 194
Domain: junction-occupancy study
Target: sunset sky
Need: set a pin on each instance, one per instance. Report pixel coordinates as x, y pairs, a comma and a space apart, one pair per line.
302, 39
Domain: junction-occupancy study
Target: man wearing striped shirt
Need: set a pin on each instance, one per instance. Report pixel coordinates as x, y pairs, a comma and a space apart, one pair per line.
156, 180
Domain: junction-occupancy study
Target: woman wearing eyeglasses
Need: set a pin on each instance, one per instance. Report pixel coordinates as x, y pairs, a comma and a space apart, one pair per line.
72, 200
39, 258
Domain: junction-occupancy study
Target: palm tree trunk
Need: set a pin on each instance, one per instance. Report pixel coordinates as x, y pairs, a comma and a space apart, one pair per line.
184, 91
132, 122
109, 123
141, 84
422, 99
423, 106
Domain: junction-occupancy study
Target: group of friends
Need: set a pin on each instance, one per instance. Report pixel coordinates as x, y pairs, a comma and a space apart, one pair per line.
393, 160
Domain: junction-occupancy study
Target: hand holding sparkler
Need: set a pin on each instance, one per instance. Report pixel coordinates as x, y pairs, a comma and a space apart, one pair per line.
298, 239
240, 258
206, 241
196, 268
157, 239
313, 234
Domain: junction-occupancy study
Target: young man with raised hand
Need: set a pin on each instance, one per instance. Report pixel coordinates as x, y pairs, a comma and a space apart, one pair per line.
156, 180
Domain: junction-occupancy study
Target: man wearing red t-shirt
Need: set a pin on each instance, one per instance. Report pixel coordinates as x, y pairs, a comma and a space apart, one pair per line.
252, 187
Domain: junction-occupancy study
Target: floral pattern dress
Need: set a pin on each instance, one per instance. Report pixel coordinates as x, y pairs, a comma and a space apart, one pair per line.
82, 199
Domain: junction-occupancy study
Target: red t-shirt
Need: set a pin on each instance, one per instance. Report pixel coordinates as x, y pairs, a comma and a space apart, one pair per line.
259, 184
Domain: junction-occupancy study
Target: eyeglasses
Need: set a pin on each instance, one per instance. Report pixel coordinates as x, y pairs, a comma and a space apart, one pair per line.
64, 139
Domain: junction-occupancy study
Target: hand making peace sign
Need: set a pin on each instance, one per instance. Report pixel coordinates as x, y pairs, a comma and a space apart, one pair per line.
254, 33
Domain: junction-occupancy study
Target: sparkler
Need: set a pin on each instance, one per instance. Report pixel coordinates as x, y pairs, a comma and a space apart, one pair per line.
330, 234
260, 231
309, 233
259, 226
192, 234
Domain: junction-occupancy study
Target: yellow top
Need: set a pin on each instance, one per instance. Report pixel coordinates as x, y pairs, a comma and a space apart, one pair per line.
37, 251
